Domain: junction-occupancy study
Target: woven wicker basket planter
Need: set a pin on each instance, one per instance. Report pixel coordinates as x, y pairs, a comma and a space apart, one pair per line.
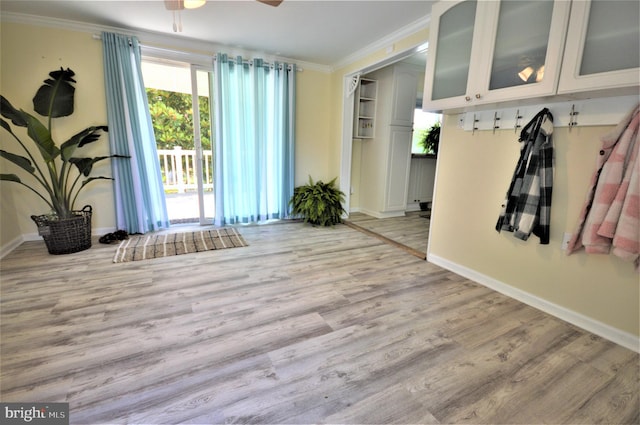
68, 235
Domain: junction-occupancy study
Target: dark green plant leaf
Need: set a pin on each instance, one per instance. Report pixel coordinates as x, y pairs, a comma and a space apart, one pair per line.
85, 165
55, 97
318, 203
41, 135
86, 136
431, 139
5, 125
10, 178
20, 161
8, 111
90, 179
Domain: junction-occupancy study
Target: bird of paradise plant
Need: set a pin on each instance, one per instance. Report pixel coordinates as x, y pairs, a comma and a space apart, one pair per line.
56, 182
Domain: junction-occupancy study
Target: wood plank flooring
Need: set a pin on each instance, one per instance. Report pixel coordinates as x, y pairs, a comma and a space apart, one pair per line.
305, 325
412, 230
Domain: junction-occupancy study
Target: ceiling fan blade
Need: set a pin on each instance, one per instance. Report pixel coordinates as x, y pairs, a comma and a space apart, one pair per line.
273, 3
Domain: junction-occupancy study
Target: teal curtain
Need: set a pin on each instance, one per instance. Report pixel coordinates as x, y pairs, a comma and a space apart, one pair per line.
254, 150
139, 193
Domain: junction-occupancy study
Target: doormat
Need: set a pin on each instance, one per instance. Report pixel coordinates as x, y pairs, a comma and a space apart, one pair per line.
146, 247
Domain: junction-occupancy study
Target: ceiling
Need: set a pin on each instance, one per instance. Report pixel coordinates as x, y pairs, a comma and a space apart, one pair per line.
317, 31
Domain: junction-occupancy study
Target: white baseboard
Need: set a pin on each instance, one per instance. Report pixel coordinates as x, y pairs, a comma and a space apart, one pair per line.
8, 248
29, 237
618, 336
378, 214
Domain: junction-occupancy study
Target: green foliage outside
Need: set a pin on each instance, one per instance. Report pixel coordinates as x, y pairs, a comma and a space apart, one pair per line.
172, 116
430, 139
419, 135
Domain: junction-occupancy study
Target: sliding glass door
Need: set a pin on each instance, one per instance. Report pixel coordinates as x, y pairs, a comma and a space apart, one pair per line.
181, 104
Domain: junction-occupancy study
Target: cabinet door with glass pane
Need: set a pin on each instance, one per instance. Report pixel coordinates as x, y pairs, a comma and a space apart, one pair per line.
603, 47
453, 47
491, 51
525, 49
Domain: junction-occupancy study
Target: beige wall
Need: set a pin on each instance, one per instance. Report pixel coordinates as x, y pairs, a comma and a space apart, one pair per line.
313, 129
29, 53
474, 172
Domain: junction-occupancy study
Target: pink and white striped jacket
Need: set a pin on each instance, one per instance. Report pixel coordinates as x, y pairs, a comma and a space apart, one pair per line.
611, 215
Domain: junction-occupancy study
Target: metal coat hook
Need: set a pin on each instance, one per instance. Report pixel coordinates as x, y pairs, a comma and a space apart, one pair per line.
572, 115
496, 118
516, 126
474, 128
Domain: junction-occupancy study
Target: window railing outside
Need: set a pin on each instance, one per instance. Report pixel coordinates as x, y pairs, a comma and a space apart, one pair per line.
178, 168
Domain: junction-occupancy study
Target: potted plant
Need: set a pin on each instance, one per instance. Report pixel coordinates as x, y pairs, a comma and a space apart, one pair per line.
57, 176
429, 143
318, 203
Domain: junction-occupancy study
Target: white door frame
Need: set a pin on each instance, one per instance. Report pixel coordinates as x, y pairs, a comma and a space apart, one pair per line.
347, 117
197, 141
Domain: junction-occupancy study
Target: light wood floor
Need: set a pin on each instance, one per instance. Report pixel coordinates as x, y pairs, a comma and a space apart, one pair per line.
305, 325
412, 230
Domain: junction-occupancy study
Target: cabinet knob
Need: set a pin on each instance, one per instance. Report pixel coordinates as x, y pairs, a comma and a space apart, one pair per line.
477, 95
467, 98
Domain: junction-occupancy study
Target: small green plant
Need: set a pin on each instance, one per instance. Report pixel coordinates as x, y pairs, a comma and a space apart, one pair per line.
318, 203
429, 143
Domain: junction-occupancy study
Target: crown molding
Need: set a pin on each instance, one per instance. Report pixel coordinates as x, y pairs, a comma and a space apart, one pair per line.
384, 42
183, 45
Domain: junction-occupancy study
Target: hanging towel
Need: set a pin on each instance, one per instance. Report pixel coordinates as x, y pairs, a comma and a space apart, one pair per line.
527, 207
610, 216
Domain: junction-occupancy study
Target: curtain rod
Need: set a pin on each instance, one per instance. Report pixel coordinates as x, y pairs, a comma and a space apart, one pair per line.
186, 55
265, 63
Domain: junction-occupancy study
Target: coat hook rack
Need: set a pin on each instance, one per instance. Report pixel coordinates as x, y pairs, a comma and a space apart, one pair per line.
517, 125
572, 117
496, 118
474, 128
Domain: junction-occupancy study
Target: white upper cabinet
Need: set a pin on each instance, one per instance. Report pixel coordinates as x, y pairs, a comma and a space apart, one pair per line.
492, 51
405, 87
603, 47
453, 35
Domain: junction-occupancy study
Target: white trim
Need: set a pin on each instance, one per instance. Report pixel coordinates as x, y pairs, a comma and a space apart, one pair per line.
159, 55
378, 214
589, 324
180, 44
386, 41
31, 237
347, 116
347, 142
8, 248
356, 210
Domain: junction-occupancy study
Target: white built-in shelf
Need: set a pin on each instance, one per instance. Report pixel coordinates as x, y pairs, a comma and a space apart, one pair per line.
365, 113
